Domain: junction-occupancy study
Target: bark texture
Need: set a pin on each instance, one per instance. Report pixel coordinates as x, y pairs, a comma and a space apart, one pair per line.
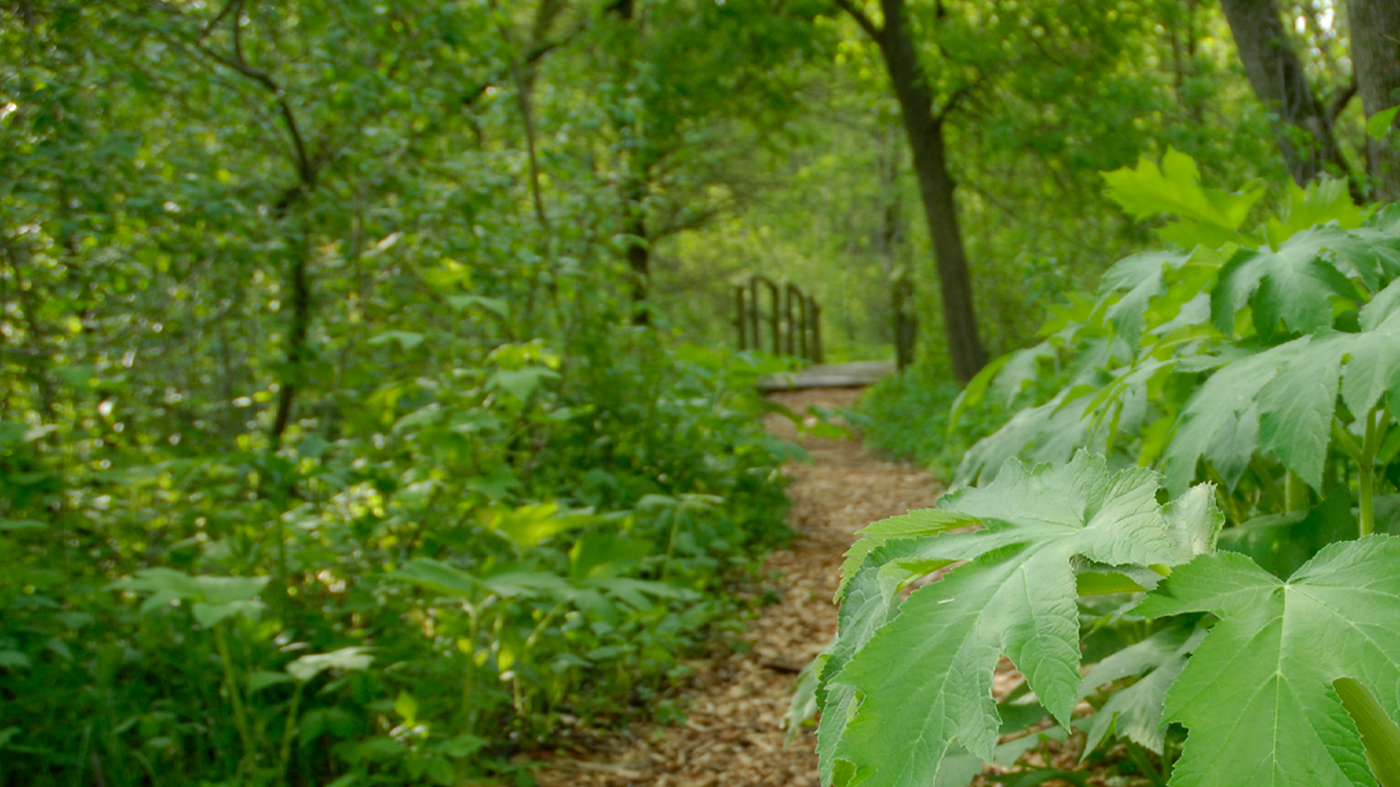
1303, 128
1375, 56
923, 126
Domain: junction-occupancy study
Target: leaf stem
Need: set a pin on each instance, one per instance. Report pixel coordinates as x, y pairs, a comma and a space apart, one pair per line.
284, 758
240, 719
1379, 734
1295, 493
1366, 473
1267, 482
1346, 441
1144, 765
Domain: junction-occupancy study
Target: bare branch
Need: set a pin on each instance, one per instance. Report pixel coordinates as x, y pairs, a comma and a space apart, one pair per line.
532, 57
957, 97
306, 168
861, 18
219, 18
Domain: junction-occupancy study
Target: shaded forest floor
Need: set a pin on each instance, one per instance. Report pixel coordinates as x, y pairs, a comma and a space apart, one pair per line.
729, 732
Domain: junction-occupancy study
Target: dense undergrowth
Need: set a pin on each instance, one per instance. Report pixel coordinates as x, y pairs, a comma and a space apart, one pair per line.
337, 444
907, 416
415, 595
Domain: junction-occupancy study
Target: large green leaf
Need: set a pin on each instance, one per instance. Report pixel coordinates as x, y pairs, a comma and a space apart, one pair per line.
1051, 432
926, 675
1283, 401
1209, 216
1295, 285
1220, 420
1140, 279
1257, 696
915, 524
1296, 406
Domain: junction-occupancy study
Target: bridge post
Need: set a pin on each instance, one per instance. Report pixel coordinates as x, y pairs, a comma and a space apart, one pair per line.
753, 313
793, 317
739, 316
802, 324
775, 316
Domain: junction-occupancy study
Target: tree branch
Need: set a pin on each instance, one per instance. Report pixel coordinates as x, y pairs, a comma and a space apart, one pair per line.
214, 23
539, 47
861, 18
523, 87
306, 169
1339, 101
958, 95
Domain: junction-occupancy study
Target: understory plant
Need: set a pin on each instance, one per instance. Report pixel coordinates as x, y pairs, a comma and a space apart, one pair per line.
1206, 521
464, 571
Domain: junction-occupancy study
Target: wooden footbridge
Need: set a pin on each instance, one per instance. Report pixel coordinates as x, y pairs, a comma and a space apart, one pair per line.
792, 322
856, 374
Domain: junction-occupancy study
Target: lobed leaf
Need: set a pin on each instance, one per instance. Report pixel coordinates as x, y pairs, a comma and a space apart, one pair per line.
903, 683
1257, 696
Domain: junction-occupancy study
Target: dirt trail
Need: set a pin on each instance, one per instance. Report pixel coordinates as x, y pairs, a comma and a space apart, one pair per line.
735, 701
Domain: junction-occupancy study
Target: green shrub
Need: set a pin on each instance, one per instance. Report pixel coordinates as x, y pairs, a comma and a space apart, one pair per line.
1259, 372
464, 563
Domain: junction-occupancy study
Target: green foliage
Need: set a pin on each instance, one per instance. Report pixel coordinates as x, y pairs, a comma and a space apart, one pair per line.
1379, 124
1253, 369
907, 416
327, 453
1014, 594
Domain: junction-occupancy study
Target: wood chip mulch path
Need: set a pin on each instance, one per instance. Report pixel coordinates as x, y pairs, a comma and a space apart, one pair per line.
735, 702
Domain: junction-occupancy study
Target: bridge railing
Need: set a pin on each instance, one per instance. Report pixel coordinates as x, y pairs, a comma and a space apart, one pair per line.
792, 321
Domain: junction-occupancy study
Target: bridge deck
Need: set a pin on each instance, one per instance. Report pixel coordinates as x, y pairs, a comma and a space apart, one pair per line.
829, 375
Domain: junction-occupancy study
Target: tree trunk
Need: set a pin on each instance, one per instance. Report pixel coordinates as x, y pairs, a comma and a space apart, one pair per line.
925, 132
639, 261
1276, 74
297, 350
1375, 56
634, 193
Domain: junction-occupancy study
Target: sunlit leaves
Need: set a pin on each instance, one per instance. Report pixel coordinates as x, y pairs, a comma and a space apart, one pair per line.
1207, 215
346, 659
1238, 352
1378, 125
214, 598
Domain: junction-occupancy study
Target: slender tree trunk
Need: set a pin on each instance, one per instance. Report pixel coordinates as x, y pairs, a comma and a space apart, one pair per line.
639, 261
904, 321
1375, 57
297, 354
1181, 28
936, 186
1303, 128
634, 194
